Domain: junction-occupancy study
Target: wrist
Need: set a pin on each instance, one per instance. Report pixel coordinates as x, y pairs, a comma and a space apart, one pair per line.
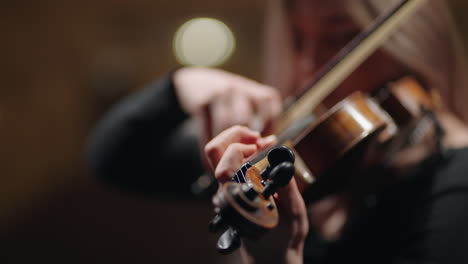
177, 80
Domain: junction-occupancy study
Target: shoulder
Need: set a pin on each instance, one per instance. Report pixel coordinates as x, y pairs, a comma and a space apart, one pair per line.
450, 174
437, 209
424, 218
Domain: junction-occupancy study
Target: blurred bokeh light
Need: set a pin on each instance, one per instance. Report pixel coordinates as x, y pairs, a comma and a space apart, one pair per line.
203, 41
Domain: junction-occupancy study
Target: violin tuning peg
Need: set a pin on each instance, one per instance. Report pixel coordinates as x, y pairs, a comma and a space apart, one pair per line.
279, 155
280, 176
216, 224
275, 157
249, 192
228, 241
282, 173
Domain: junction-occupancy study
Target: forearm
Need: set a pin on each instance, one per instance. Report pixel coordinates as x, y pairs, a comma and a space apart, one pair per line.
131, 137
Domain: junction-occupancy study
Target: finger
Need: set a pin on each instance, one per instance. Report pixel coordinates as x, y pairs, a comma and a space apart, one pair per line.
203, 119
290, 198
215, 148
292, 207
266, 142
220, 112
265, 100
231, 108
267, 104
233, 158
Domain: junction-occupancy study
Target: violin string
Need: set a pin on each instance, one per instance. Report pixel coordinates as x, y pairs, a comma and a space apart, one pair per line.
241, 175
236, 177
241, 172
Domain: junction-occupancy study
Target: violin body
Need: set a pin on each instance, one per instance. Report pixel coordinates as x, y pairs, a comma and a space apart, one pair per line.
353, 136
352, 122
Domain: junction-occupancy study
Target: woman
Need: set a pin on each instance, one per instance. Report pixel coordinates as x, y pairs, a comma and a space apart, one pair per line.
416, 217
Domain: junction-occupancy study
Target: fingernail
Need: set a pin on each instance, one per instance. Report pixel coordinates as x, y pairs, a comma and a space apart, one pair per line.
267, 140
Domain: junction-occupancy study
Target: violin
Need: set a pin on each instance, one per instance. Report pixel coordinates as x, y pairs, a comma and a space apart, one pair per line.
358, 133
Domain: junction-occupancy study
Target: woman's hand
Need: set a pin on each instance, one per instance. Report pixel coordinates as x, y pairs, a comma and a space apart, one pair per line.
226, 153
221, 99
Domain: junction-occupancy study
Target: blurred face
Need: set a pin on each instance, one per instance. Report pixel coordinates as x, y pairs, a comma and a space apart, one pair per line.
320, 29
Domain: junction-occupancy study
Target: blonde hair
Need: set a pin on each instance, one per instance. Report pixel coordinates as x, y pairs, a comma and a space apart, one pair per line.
428, 44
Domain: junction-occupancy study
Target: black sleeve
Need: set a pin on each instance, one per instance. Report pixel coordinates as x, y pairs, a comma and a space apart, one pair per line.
131, 146
440, 232
444, 238
422, 221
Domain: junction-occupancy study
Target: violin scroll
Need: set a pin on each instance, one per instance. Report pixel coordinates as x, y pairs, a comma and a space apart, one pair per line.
245, 207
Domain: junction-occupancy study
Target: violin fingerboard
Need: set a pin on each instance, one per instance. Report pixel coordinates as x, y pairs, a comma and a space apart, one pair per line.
240, 175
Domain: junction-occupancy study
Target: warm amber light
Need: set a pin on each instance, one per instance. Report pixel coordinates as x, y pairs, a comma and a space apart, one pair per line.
203, 42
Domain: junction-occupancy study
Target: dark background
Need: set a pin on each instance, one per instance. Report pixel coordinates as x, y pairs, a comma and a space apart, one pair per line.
63, 63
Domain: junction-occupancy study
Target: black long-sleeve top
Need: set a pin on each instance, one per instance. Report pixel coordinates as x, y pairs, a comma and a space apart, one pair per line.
422, 220
138, 146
